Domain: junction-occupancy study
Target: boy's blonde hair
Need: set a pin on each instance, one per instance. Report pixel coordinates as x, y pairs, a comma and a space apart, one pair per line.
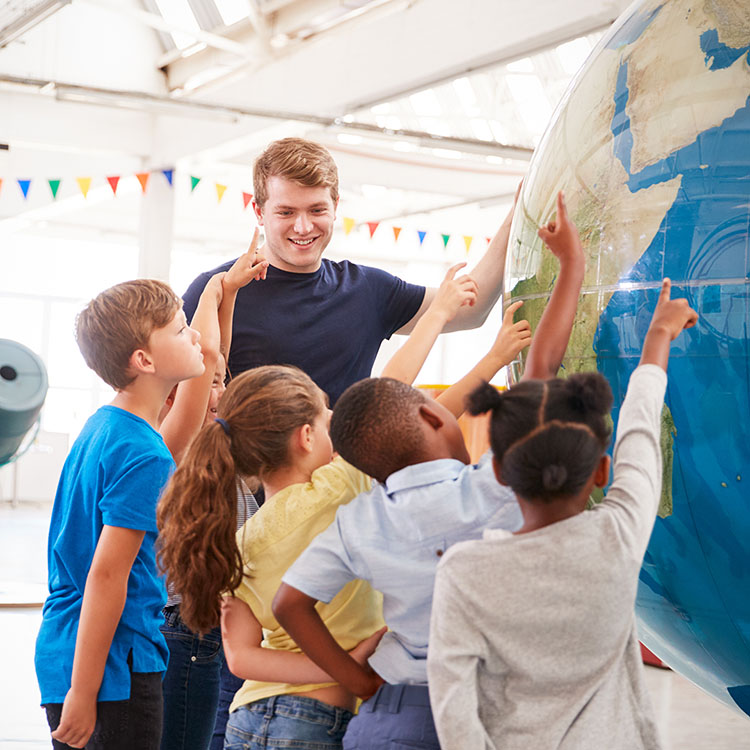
299, 160
120, 320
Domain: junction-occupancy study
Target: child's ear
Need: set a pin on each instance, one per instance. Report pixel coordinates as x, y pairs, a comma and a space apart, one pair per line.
140, 362
303, 437
601, 473
430, 416
497, 467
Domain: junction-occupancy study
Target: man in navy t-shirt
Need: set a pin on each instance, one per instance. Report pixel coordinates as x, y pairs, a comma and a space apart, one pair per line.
326, 318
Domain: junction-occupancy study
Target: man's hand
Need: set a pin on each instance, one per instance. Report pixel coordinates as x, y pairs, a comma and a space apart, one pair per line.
454, 293
77, 720
512, 337
509, 218
248, 267
366, 648
561, 234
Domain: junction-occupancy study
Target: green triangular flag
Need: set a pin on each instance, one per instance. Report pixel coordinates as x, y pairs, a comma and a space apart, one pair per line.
445, 237
54, 186
194, 182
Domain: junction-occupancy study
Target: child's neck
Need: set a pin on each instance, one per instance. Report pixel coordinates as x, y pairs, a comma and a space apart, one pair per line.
539, 513
285, 477
144, 399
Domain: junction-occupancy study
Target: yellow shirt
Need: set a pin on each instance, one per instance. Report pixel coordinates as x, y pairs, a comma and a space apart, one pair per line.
272, 539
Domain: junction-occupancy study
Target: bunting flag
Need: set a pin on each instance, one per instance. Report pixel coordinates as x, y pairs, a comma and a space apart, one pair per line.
421, 235
24, 185
220, 191
54, 186
194, 182
113, 182
348, 224
372, 226
396, 233
1, 184
84, 183
143, 179
168, 173
467, 242
445, 237
489, 239
246, 198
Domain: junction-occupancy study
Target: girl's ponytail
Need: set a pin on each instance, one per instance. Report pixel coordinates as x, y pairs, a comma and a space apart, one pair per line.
482, 399
197, 521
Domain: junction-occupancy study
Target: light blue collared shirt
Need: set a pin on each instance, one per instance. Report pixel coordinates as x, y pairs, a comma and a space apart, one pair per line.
394, 537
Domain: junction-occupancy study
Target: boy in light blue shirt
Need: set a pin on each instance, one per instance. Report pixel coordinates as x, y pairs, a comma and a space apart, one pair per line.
99, 654
395, 535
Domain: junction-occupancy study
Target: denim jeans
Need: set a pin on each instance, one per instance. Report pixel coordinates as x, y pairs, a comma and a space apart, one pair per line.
122, 725
397, 717
191, 684
288, 722
228, 687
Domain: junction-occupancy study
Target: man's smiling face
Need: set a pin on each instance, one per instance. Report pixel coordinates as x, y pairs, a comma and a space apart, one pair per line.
298, 224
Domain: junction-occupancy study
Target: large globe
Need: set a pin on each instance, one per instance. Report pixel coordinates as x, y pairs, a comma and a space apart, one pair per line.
651, 144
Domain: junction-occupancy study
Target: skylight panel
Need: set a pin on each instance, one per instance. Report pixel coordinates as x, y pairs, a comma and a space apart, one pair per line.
426, 104
572, 54
178, 12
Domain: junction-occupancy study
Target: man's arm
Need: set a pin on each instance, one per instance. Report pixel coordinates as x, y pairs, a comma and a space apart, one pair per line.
296, 613
489, 271
554, 328
103, 602
452, 295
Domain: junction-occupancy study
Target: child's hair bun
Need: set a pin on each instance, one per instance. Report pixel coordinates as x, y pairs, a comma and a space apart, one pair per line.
554, 477
589, 391
483, 398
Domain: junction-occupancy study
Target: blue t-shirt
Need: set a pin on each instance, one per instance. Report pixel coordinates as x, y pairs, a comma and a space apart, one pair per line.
113, 475
329, 323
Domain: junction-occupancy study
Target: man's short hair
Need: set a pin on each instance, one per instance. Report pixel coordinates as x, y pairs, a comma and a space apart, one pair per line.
120, 320
299, 160
376, 427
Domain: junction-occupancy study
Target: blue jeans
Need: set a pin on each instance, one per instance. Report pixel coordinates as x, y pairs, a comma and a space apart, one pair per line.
230, 684
286, 722
191, 684
397, 717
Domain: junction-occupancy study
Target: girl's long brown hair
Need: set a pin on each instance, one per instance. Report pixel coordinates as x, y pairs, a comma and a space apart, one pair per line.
197, 514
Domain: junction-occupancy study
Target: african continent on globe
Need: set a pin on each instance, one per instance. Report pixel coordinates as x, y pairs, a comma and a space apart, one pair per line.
651, 144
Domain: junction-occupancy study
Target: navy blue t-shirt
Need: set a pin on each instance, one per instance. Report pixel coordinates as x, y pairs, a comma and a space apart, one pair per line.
329, 323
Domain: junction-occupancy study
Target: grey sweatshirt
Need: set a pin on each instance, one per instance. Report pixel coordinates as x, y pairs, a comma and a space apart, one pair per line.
533, 637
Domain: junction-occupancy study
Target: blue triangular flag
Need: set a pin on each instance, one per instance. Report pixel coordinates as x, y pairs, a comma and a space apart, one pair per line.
421, 235
24, 185
168, 174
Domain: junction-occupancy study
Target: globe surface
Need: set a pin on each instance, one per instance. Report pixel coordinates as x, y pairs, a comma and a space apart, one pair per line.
651, 144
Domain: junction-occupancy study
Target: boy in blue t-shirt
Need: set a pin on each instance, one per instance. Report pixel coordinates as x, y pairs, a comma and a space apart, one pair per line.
99, 654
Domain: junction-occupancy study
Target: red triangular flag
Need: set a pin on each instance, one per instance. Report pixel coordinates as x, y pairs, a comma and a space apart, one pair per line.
246, 198
396, 233
372, 226
113, 183
143, 179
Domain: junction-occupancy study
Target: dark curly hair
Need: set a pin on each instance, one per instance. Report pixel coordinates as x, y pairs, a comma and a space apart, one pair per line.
548, 435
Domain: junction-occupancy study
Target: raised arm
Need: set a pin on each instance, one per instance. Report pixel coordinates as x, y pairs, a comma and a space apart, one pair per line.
453, 294
489, 272
248, 267
553, 331
511, 339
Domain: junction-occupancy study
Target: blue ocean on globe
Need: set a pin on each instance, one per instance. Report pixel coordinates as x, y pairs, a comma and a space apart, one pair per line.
659, 186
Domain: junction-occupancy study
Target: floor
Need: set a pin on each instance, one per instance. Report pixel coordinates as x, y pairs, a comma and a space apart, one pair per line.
688, 719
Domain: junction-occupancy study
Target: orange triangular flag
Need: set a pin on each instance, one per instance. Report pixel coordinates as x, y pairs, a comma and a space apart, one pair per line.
246, 198
348, 224
396, 233
489, 239
113, 181
467, 241
1, 184
84, 183
143, 179
372, 226
220, 191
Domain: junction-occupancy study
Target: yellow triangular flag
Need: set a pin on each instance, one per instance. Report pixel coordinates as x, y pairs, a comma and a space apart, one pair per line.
348, 224
220, 191
84, 183
467, 241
